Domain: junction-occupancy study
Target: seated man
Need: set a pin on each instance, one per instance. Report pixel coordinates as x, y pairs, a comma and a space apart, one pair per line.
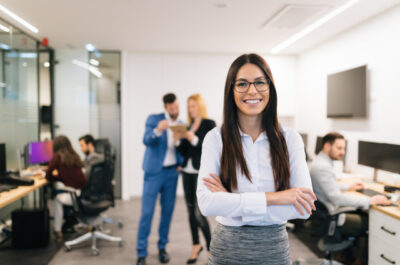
329, 191
86, 143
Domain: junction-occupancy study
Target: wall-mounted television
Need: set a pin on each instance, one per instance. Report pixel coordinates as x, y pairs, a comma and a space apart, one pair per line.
347, 94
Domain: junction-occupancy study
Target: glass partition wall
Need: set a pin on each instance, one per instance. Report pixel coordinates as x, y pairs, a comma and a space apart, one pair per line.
105, 103
26, 84
21, 79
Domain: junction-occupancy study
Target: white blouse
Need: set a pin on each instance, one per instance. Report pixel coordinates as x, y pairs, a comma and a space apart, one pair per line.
248, 204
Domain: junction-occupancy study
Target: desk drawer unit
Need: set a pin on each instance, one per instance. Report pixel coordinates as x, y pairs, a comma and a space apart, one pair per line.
384, 239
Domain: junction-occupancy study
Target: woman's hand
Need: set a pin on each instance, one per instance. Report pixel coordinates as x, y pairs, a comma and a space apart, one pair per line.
54, 173
296, 196
189, 136
214, 184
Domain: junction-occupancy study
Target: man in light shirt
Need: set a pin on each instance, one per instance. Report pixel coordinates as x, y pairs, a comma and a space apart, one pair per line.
86, 143
161, 169
329, 191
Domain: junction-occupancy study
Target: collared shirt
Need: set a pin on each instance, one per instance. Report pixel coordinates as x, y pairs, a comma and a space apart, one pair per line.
189, 166
248, 204
170, 155
328, 190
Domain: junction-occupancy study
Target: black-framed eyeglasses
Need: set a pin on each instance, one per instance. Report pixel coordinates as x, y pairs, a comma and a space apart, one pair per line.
242, 86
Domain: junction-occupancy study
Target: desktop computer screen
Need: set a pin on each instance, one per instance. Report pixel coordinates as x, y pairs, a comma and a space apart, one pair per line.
318, 145
3, 166
305, 138
38, 152
379, 155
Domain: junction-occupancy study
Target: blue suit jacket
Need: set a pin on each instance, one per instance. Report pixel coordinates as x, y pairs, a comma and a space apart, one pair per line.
156, 147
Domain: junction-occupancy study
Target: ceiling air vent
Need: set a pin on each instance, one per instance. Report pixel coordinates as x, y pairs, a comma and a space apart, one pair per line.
293, 16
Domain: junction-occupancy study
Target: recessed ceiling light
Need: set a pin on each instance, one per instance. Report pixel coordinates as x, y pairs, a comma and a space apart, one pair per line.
5, 46
46, 64
4, 28
91, 68
19, 19
312, 27
221, 5
94, 62
90, 47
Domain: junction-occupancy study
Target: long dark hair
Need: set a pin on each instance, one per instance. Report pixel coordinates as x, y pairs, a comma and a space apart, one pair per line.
62, 147
232, 151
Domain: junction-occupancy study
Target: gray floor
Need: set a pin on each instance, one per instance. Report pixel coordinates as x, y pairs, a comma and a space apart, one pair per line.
179, 247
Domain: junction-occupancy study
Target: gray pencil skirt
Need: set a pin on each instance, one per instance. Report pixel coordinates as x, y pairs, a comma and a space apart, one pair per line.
249, 245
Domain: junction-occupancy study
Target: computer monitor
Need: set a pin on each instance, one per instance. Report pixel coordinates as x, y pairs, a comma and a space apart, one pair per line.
305, 138
38, 152
379, 156
3, 165
318, 145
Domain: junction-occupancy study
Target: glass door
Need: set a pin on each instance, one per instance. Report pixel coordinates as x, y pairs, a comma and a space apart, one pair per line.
105, 104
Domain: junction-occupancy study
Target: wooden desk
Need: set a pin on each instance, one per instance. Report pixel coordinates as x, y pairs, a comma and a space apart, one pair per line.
384, 230
392, 211
7, 197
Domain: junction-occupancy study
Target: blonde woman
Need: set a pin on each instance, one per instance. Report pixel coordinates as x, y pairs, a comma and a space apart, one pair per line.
189, 145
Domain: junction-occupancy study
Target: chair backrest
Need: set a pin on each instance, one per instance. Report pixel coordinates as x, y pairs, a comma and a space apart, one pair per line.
324, 224
103, 146
100, 186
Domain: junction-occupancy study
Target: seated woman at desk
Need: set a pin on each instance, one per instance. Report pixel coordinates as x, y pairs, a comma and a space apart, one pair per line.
65, 167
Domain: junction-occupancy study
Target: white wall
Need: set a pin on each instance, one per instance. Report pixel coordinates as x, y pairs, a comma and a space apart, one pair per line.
375, 43
146, 77
71, 96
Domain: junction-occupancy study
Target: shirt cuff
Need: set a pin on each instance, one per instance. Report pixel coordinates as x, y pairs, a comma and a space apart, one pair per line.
254, 203
195, 140
157, 134
344, 187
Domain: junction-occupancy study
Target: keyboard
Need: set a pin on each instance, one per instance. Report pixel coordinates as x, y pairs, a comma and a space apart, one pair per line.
11, 180
370, 192
6, 187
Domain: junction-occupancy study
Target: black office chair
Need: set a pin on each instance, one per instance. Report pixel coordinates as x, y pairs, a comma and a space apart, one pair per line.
95, 198
325, 224
103, 146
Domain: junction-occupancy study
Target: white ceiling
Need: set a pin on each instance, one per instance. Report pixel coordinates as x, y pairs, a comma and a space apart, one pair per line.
181, 25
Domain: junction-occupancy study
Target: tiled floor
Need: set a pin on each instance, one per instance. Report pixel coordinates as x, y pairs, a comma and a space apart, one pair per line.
179, 247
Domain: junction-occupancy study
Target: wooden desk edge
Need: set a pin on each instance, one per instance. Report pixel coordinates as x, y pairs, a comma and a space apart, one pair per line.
393, 211
11, 196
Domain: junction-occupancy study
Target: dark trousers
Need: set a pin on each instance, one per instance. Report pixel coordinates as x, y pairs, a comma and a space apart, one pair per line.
196, 219
164, 183
356, 225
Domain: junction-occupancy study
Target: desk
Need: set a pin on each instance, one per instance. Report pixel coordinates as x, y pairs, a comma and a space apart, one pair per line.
11, 196
384, 230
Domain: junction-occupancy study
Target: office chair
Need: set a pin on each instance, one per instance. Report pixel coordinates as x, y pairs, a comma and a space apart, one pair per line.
325, 225
95, 198
103, 146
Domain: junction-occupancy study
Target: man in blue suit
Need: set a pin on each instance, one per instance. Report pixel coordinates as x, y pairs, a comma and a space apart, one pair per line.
160, 165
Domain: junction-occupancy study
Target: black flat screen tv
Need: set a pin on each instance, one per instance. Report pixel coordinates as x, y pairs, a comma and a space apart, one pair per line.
347, 94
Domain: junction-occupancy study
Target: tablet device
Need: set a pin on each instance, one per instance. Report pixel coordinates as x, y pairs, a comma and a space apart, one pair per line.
179, 128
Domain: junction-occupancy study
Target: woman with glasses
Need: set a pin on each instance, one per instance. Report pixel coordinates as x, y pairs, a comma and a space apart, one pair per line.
65, 167
253, 174
189, 145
